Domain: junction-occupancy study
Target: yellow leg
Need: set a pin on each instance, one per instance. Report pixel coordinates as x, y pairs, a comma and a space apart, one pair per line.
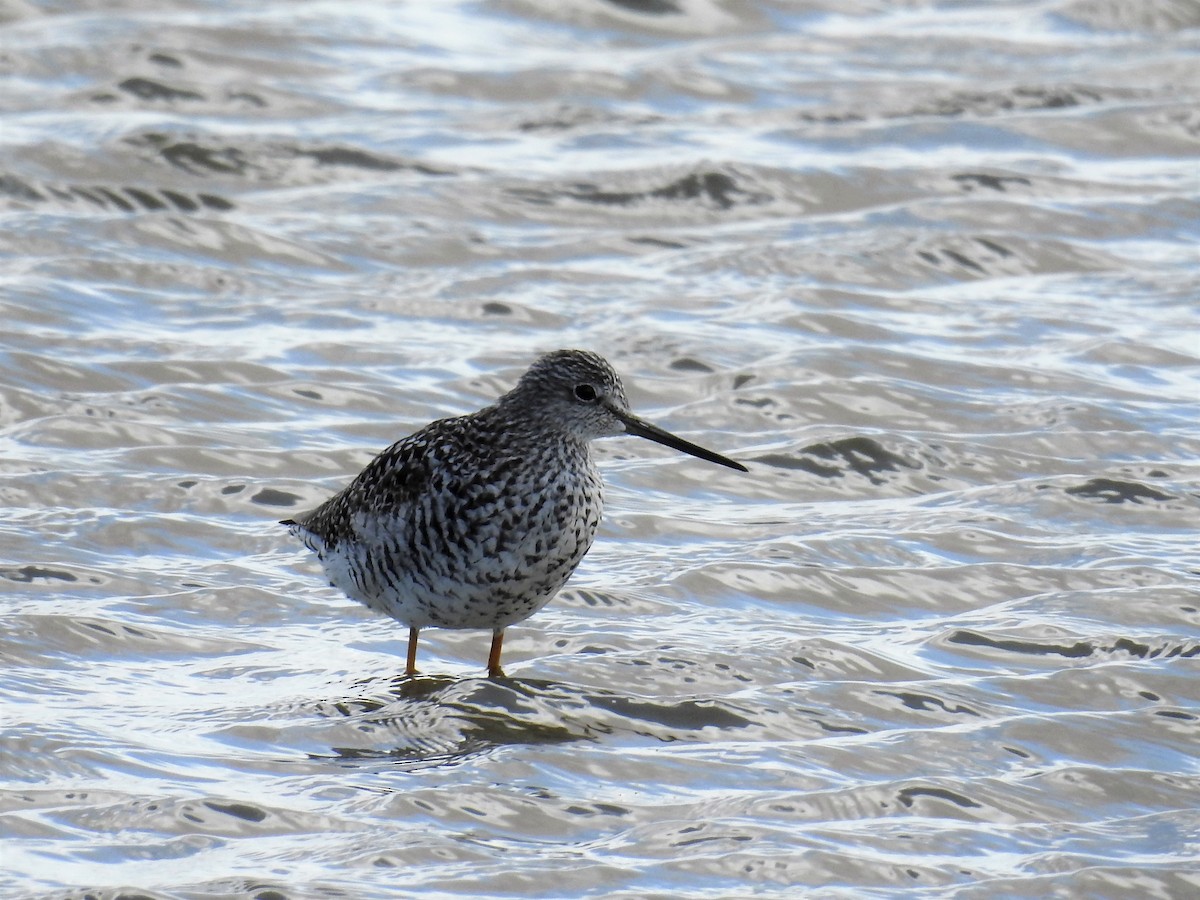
494, 670
411, 668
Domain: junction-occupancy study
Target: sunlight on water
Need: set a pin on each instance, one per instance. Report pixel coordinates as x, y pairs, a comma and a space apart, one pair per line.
928, 270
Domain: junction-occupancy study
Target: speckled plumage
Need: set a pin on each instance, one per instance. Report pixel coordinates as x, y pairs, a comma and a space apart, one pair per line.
478, 521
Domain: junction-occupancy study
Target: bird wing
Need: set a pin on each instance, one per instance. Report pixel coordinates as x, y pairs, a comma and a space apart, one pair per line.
389, 483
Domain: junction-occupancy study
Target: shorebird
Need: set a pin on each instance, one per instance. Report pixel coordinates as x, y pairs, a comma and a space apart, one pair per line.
477, 521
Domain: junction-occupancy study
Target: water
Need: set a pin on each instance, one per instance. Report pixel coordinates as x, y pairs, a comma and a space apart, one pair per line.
930, 269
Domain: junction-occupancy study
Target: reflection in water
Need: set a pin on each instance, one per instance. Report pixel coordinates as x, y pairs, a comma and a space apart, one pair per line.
425, 719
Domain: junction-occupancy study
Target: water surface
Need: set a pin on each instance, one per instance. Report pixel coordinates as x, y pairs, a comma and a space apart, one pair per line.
929, 269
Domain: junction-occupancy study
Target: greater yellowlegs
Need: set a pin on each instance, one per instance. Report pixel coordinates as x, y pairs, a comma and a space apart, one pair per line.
477, 521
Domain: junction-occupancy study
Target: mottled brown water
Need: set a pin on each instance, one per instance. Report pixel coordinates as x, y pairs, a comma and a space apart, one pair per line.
930, 269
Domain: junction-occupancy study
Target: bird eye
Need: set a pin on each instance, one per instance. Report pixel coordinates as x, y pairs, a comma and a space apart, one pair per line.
585, 392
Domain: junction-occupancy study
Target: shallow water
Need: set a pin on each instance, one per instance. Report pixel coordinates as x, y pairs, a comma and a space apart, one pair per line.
930, 269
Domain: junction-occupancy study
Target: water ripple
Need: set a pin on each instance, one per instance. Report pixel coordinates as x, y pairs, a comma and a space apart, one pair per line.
929, 270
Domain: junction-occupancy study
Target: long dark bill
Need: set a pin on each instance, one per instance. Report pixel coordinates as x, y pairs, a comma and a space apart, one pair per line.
642, 428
